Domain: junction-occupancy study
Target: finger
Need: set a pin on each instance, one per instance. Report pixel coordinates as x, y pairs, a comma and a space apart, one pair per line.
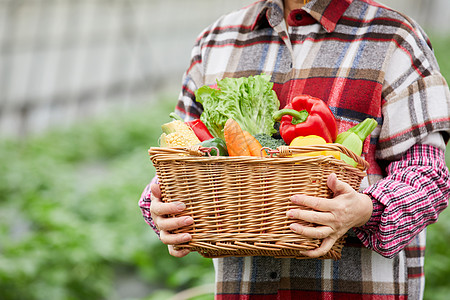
173, 223
322, 250
320, 232
160, 208
174, 239
323, 218
156, 190
179, 252
316, 203
337, 186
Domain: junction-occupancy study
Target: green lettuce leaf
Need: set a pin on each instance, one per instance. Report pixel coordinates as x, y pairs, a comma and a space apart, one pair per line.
250, 101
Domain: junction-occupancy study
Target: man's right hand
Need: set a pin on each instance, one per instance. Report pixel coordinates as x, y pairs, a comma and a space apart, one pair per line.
159, 211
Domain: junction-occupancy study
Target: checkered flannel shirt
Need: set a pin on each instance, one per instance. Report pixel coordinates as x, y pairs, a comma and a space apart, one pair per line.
364, 60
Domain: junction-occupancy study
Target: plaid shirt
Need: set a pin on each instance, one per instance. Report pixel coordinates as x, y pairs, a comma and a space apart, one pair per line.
363, 60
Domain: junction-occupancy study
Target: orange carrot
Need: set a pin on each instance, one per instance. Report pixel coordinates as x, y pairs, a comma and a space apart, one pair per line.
235, 139
254, 146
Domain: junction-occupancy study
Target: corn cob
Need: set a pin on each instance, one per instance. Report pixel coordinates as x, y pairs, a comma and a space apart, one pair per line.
177, 134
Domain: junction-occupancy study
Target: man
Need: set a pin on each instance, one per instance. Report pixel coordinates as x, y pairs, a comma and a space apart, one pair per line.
363, 60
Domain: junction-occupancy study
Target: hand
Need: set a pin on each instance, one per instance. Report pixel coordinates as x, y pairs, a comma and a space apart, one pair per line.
334, 217
159, 211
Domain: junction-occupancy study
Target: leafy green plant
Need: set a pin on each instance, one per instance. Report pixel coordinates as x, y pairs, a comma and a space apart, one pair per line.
437, 255
69, 219
437, 259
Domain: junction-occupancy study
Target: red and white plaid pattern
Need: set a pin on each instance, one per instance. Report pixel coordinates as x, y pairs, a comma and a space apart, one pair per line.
364, 60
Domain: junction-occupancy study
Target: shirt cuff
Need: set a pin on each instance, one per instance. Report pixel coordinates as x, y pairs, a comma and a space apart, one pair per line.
378, 208
411, 196
144, 205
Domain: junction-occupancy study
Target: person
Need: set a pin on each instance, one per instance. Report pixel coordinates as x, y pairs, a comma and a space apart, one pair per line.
364, 60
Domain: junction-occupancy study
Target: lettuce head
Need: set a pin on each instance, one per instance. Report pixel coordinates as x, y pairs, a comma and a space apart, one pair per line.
250, 101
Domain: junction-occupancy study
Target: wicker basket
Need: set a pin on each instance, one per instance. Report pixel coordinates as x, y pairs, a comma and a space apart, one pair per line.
239, 204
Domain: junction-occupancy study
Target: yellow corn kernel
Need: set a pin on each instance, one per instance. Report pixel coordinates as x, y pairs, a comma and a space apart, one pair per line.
178, 134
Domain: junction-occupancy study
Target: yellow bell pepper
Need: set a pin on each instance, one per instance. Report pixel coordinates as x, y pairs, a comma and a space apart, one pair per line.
311, 140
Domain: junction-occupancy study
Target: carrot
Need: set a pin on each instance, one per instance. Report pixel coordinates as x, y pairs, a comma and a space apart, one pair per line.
254, 146
240, 142
235, 139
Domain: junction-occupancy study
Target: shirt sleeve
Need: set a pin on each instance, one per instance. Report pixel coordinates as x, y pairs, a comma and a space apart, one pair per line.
187, 107
415, 97
415, 125
144, 204
411, 196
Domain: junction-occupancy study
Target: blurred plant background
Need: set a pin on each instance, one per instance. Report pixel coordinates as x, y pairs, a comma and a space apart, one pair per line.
84, 88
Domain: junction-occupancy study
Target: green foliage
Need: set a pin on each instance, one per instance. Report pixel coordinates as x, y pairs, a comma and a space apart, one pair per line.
437, 256
69, 219
441, 44
437, 259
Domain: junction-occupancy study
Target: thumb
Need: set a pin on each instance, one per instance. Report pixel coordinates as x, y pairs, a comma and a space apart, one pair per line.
337, 186
156, 191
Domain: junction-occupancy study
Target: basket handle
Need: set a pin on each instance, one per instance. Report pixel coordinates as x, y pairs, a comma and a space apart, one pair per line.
195, 150
285, 151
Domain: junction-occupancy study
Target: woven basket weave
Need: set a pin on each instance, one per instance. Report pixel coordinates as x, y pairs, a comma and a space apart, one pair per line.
239, 204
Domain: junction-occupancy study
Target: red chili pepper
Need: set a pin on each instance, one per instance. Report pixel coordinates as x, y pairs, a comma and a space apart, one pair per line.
306, 115
199, 128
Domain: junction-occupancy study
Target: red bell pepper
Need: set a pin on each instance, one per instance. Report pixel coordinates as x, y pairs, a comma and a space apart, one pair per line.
306, 115
199, 128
